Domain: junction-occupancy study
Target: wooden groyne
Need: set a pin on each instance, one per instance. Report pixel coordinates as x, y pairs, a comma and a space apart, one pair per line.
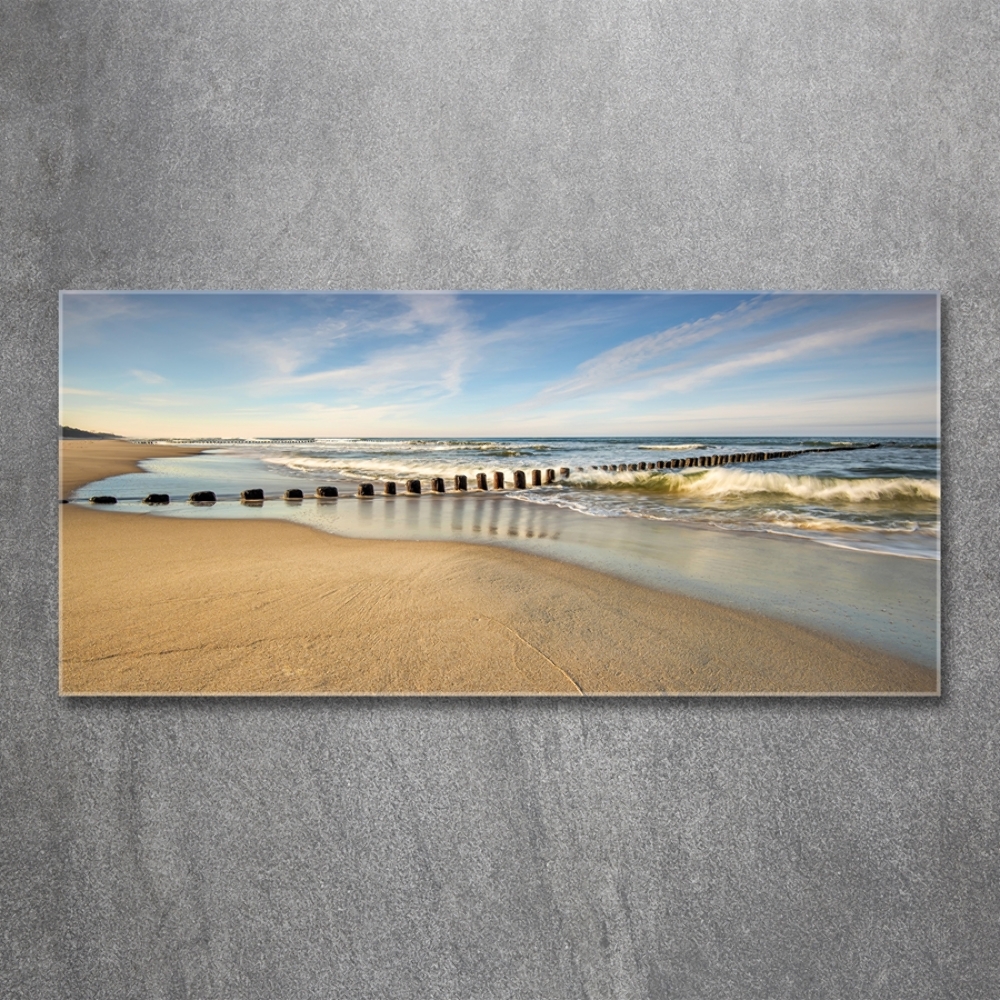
522, 479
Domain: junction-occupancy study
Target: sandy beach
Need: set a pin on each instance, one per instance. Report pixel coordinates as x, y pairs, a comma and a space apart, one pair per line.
161, 606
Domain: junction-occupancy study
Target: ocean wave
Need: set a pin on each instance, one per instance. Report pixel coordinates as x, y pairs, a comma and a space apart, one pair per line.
900, 537
395, 466
669, 447
815, 522
381, 445
514, 447
736, 484
883, 546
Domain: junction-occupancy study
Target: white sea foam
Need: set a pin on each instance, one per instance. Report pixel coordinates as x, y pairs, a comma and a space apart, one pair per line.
669, 447
736, 484
395, 466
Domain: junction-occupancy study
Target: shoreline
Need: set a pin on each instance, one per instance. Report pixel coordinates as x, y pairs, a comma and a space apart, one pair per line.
83, 461
171, 606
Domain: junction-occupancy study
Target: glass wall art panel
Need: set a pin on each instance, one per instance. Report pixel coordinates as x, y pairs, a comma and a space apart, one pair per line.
500, 493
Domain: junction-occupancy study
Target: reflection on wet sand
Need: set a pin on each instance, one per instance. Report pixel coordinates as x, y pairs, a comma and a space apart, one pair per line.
860, 595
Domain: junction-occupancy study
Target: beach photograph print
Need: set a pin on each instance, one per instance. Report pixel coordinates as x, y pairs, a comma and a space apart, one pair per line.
499, 493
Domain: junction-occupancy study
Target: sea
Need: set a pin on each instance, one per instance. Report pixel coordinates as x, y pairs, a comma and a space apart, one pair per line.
844, 537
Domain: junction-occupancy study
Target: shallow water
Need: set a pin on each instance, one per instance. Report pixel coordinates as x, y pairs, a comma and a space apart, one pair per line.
883, 498
886, 600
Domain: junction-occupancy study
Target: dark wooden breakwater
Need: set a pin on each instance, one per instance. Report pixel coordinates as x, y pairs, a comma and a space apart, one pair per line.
538, 477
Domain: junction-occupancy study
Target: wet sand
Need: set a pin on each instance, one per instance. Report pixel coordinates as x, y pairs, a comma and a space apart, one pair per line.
165, 606
83, 461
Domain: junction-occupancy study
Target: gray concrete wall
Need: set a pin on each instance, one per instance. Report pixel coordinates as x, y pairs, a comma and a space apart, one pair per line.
240, 848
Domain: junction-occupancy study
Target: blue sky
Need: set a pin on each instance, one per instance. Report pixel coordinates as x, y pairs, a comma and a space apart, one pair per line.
486, 363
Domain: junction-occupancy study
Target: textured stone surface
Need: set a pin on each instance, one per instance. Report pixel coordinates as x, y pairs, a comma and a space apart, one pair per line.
363, 848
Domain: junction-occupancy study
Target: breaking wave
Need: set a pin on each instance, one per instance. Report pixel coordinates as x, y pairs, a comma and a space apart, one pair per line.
669, 447
734, 484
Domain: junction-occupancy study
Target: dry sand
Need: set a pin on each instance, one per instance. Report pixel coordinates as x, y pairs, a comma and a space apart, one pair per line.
154, 605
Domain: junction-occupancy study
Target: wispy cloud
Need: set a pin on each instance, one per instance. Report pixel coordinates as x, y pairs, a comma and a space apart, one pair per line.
749, 336
150, 378
290, 350
424, 368
301, 355
433, 309
69, 390
650, 354
95, 308
441, 362
434, 363
911, 409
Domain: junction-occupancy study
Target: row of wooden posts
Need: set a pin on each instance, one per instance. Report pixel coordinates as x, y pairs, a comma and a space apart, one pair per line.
520, 481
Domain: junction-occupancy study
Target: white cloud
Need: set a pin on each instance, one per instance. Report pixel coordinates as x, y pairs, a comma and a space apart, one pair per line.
425, 369
432, 309
911, 409
150, 378
694, 354
291, 350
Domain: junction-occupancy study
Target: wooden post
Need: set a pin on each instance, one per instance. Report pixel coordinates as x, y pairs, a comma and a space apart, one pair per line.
536, 477
104, 500
202, 496
413, 486
157, 498
437, 485
519, 480
481, 481
326, 492
249, 495
498, 480
389, 489
293, 494
550, 475
660, 465
366, 490
564, 472
461, 483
